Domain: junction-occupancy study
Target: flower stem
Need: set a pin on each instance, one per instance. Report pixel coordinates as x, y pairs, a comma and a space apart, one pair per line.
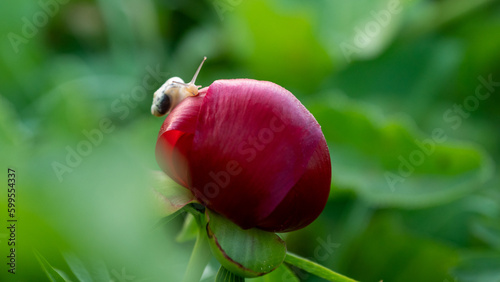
224, 275
315, 268
199, 258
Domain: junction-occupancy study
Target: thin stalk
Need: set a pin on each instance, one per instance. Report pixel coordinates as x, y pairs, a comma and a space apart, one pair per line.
224, 275
315, 268
199, 258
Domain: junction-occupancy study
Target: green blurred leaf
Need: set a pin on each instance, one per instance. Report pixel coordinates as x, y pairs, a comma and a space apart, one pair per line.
10, 133
53, 274
487, 227
189, 229
77, 267
386, 251
93, 269
389, 162
290, 56
488, 230
452, 223
479, 267
342, 23
98, 270
171, 197
13, 137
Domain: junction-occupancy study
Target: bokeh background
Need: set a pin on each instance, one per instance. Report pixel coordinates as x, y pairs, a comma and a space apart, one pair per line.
394, 84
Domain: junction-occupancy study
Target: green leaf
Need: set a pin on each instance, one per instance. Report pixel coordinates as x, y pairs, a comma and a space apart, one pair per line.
170, 196
416, 89
77, 267
479, 267
189, 229
487, 230
90, 269
266, 58
53, 274
487, 226
390, 162
352, 37
14, 142
282, 273
224, 275
445, 223
98, 270
386, 250
10, 127
247, 253
168, 218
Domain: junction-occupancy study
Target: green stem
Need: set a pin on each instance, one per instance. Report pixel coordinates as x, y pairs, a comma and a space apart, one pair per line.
224, 275
199, 216
315, 268
199, 258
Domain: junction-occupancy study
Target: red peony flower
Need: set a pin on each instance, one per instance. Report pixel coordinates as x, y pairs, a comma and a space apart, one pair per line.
248, 150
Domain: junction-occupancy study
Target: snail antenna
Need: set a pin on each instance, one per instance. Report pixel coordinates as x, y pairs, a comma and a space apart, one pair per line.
197, 71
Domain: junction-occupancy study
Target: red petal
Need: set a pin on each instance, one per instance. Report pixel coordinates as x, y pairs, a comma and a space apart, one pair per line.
308, 197
176, 136
253, 142
183, 117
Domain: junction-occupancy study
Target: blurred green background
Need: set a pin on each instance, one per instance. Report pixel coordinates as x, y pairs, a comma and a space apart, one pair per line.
398, 88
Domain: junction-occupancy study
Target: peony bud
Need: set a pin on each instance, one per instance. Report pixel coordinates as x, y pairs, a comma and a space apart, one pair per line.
250, 151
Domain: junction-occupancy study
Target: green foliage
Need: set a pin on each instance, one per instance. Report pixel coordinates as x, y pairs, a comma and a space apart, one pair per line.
171, 197
53, 274
479, 267
407, 169
189, 229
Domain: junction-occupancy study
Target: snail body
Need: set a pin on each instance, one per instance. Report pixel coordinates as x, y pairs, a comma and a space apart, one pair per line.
172, 92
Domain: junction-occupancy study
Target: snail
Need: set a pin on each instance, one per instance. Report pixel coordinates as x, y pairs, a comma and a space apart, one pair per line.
172, 92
